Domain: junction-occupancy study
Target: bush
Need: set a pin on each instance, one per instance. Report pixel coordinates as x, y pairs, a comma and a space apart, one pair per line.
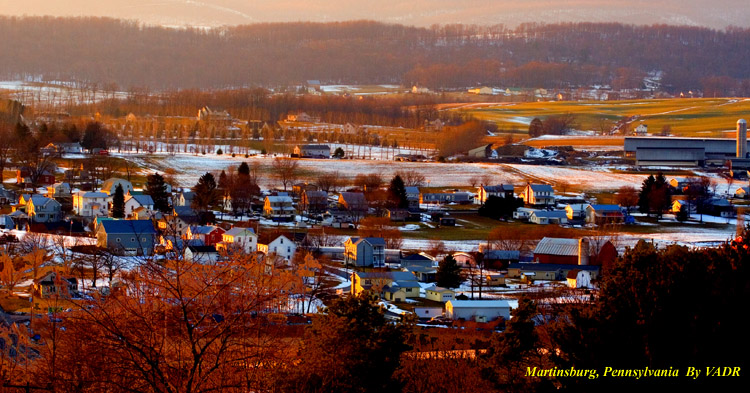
233, 155
219, 152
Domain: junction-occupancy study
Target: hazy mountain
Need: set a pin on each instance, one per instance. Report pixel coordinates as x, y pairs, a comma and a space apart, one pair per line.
711, 13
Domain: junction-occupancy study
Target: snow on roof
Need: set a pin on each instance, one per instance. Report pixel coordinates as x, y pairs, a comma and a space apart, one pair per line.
238, 231
554, 246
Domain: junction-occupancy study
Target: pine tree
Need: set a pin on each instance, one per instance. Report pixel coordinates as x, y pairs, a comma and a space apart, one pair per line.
206, 193
397, 193
644, 206
448, 273
243, 169
118, 203
157, 188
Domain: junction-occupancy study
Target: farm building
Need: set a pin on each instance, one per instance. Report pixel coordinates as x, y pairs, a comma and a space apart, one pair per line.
552, 272
562, 251
500, 190
544, 217
478, 310
313, 151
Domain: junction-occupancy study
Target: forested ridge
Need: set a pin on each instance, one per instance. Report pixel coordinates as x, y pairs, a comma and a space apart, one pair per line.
108, 51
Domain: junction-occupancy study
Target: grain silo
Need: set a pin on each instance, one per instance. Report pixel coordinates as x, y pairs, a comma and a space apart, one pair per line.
741, 138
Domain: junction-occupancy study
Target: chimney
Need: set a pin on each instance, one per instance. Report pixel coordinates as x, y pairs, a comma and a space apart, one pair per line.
741, 138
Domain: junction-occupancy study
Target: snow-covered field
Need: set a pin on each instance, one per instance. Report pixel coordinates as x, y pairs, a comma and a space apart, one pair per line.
191, 167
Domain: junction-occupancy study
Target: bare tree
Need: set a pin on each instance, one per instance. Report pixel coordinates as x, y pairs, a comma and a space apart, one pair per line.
286, 170
329, 181
412, 178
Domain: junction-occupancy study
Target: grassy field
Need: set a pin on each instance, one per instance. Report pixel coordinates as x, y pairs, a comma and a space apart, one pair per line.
701, 117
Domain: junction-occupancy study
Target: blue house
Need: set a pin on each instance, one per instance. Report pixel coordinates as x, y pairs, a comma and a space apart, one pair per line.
129, 236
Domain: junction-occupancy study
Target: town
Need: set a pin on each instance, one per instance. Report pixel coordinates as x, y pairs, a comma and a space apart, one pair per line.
448, 222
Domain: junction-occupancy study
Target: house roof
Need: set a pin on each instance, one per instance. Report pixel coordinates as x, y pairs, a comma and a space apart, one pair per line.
184, 211
109, 184
412, 190
606, 208
479, 303
541, 188
315, 147
555, 246
235, 231
188, 195
439, 289
143, 200
203, 229
394, 275
550, 214
572, 274
92, 194
375, 241
138, 227
316, 194
353, 197
545, 267
416, 258
279, 198
202, 249
499, 188
42, 201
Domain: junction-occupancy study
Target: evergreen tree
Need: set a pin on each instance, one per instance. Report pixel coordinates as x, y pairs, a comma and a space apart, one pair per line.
243, 169
157, 188
448, 273
118, 203
206, 193
350, 348
498, 207
644, 204
339, 153
397, 193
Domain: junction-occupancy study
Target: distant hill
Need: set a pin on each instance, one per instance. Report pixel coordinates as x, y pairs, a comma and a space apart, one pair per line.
106, 52
212, 13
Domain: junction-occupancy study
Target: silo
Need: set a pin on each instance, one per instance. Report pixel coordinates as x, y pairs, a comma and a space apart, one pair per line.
741, 138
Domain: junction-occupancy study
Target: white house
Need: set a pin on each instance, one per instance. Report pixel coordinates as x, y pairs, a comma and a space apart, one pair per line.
239, 239
539, 195
281, 246
136, 201
478, 310
523, 213
90, 204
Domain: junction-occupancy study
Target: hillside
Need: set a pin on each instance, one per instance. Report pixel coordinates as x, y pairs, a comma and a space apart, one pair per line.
214, 13
107, 51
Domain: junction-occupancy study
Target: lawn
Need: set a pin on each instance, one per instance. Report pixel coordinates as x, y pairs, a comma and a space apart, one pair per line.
700, 117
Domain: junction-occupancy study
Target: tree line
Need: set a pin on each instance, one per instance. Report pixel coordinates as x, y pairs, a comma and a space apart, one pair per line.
115, 54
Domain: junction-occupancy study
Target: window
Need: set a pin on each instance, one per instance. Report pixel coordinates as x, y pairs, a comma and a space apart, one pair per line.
143, 239
117, 240
132, 239
282, 241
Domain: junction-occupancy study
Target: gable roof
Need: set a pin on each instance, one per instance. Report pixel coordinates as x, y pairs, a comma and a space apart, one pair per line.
499, 188
315, 147
43, 201
374, 241
606, 208
479, 303
138, 227
550, 214
203, 229
541, 188
143, 200
235, 231
353, 197
555, 246
279, 198
416, 258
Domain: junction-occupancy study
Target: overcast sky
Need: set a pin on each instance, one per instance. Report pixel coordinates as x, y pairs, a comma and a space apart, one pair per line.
712, 13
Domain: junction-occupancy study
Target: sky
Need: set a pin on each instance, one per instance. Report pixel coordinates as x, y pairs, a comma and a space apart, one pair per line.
212, 13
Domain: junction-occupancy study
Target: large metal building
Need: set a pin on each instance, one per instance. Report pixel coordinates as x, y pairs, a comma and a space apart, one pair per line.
671, 151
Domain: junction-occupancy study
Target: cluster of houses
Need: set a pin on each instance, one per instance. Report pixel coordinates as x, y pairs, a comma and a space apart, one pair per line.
411, 278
